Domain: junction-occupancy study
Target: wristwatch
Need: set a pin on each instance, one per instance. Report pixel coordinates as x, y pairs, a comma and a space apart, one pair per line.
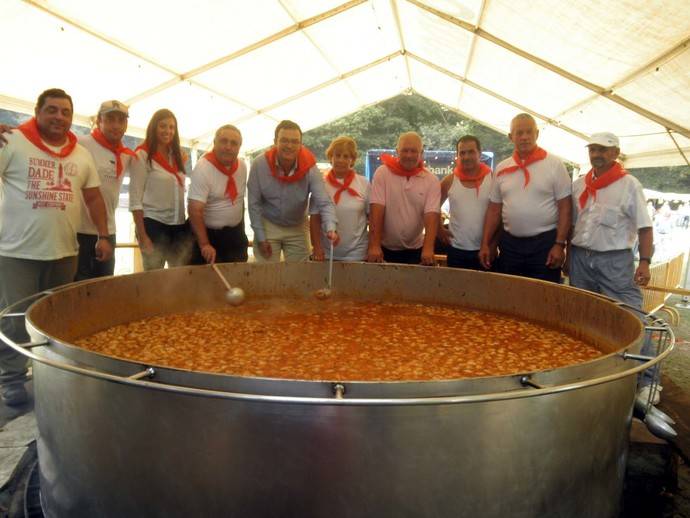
648, 259
560, 243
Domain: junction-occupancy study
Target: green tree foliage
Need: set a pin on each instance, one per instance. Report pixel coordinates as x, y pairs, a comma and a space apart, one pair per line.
378, 126
664, 179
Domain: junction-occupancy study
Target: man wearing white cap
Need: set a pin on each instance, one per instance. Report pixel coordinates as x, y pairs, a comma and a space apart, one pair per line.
609, 215
112, 160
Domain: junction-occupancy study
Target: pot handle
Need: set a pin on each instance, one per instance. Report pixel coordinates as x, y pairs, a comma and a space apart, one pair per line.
7, 314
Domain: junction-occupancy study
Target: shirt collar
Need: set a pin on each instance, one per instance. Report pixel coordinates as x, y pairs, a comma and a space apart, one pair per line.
291, 171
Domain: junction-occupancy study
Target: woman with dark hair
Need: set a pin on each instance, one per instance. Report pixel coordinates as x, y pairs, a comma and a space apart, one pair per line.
156, 195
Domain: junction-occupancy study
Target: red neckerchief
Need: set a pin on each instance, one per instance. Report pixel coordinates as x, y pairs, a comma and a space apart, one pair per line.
476, 179
30, 130
393, 164
342, 187
231, 186
305, 161
118, 150
592, 184
161, 161
536, 155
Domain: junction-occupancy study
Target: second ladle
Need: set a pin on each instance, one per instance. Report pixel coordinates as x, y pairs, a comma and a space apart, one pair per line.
324, 293
234, 296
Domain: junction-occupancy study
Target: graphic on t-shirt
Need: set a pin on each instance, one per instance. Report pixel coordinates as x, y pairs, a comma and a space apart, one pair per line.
49, 188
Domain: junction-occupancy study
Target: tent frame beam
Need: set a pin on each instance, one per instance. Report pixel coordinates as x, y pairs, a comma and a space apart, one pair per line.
264, 111
473, 47
599, 90
401, 37
187, 76
635, 74
485, 90
298, 26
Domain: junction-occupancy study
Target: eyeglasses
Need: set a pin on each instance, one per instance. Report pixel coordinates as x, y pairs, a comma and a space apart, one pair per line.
294, 141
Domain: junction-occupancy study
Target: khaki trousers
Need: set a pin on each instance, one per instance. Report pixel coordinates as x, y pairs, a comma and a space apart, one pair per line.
293, 241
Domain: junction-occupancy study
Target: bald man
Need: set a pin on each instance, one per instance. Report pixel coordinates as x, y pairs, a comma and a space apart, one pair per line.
531, 196
405, 207
216, 201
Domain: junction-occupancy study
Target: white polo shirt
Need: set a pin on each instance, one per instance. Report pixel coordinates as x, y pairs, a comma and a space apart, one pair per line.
528, 211
40, 199
352, 212
110, 183
467, 212
156, 191
612, 220
208, 186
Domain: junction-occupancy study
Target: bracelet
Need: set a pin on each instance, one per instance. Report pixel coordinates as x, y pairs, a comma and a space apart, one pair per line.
103, 237
560, 243
648, 259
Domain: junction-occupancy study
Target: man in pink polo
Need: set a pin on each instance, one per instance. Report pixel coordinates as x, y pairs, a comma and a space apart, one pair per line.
405, 207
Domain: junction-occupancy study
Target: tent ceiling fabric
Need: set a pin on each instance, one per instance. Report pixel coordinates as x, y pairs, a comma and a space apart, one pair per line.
579, 67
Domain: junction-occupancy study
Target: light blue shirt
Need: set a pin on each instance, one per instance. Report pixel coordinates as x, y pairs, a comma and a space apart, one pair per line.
285, 203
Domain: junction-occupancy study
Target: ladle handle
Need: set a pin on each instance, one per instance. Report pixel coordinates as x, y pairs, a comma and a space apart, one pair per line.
330, 268
222, 277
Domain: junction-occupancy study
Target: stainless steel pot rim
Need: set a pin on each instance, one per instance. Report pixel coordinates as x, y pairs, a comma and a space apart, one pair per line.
532, 390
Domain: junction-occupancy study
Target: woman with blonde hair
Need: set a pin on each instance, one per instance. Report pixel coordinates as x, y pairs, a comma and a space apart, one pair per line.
350, 194
156, 195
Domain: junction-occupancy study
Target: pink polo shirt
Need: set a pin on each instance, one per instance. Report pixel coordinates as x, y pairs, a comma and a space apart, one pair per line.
406, 201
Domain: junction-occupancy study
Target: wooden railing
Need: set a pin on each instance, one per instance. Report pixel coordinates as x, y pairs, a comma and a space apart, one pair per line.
138, 265
663, 274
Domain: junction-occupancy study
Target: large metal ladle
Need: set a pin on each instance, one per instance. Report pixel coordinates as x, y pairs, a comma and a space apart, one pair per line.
234, 296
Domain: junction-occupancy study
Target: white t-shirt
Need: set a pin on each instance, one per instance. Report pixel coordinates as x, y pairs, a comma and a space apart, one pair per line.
352, 212
40, 199
531, 210
208, 186
156, 191
467, 212
110, 183
611, 221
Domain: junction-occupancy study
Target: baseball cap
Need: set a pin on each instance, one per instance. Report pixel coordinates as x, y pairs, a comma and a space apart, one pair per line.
605, 139
113, 106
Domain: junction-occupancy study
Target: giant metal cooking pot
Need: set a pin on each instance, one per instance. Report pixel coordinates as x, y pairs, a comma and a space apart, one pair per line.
117, 438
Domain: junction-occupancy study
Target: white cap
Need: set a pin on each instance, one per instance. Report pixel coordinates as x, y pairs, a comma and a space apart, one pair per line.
605, 139
113, 106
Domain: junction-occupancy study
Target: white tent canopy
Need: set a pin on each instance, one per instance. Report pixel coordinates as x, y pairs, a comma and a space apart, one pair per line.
578, 66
